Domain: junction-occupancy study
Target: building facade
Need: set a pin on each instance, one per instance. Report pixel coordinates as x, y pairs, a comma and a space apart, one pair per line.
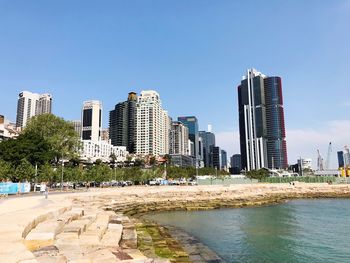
152, 125
236, 164
178, 138
340, 155
31, 104
305, 163
8, 130
122, 123
191, 123
346, 157
208, 142
216, 157
181, 160
223, 160
261, 122
77, 126
91, 120
101, 150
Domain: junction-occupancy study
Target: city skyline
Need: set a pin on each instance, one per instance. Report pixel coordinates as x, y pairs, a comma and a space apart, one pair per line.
136, 47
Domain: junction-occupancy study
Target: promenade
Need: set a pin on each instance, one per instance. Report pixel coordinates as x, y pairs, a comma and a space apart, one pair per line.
98, 226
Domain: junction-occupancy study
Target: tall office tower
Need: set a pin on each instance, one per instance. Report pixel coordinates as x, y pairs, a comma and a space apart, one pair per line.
261, 122
31, 104
77, 126
236, 164
223, 160
166, 131
340, 155
44, 104
92, 120
208, 141
151, 123
346, 157
191, 123
122, 123
216, 157
178, 138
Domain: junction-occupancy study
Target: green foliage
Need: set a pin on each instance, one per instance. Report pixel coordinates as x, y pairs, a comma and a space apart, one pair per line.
5, 170
139, 162
58, 133
24, 172
46, 173
27, 146
257, 174
99, 173
133, 174
174, 172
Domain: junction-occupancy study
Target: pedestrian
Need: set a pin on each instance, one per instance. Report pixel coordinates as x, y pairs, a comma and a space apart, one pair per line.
46, 191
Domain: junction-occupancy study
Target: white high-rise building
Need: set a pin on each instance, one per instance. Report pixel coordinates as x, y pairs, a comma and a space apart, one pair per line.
92, 151
77, 126
91, 120
31, 104
152, 125
179, 138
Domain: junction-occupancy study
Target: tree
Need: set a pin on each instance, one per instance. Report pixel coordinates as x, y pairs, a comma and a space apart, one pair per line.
24, 171
133, 174
257, 174
60, 135
99, 173
34, 149
5, 170
46, 173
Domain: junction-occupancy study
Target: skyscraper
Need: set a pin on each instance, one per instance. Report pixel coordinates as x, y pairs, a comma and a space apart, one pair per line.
31, 104
178, 138
261, 122
208, 142
191, 123
216, 157
152, 125
340, 155
77, 126
223, 160
92, 120
122, 123
236, 164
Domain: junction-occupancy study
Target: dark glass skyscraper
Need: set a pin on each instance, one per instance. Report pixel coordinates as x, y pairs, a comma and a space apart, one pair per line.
236, 164
122, 123
340, 155
261, 122
216, 157
208, 141
191, 123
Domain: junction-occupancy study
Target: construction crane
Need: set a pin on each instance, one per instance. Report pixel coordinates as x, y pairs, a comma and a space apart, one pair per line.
329, 153
319, 161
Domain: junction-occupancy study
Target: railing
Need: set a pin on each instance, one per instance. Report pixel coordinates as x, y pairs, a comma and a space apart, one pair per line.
304, 179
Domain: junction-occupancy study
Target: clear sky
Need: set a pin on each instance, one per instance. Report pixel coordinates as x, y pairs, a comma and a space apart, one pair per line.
193, 53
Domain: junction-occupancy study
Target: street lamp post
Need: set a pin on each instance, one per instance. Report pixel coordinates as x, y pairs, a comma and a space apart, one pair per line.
62, 175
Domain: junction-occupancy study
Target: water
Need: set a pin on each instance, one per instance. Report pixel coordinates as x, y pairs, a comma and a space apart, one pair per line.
297, 231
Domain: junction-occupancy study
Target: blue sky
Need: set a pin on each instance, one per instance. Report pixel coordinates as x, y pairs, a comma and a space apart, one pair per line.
193, 53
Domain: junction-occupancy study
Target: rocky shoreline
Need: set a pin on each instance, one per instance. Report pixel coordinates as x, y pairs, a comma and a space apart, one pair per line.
106, 224
216, 198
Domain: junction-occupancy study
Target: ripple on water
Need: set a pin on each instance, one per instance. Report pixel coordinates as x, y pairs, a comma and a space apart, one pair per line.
297, 231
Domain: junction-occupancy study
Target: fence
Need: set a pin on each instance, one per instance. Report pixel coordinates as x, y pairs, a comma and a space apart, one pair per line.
305, 179
226, 181
14, 188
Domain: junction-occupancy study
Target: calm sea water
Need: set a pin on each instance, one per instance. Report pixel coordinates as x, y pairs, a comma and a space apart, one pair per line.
297, 231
